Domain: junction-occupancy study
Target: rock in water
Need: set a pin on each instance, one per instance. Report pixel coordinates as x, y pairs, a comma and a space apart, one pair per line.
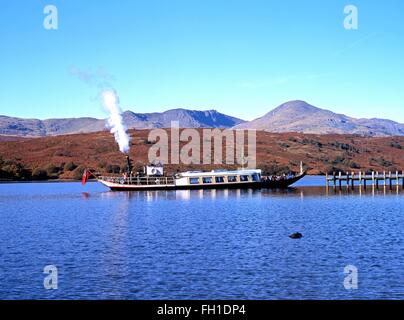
296, 235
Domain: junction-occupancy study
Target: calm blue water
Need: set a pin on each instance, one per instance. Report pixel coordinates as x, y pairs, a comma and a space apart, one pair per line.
199, 244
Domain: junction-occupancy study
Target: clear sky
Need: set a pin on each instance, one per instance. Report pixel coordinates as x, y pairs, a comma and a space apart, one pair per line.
239, 57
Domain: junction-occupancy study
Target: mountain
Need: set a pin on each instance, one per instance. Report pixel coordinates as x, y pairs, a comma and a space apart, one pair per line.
51, 127
299, 116
292, 116
186, 118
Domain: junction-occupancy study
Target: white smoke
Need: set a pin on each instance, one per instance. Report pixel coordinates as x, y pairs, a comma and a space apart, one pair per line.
110, 101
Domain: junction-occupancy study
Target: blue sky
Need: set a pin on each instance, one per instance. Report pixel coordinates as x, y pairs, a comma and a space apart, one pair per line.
240, 57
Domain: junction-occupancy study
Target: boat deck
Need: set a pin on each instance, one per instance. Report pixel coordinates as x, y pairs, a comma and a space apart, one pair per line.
138, 183
169, 183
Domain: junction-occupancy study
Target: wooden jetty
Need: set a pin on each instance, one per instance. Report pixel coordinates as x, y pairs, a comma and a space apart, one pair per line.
362, 179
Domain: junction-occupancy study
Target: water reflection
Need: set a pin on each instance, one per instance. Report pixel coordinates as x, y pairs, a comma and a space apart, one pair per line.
300, 192
360, 191
116, 253
201, 244
85, 195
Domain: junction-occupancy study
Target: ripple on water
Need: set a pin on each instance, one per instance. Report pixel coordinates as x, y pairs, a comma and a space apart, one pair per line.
227, 244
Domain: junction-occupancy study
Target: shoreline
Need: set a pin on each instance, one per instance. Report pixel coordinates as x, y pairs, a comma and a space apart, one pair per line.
43, 181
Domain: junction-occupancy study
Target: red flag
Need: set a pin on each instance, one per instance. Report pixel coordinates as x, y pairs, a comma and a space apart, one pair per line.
86, 175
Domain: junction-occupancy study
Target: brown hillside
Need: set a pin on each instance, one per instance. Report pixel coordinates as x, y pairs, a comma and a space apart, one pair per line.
64, 156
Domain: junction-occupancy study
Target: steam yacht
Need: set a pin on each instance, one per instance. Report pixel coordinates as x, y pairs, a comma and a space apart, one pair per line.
153, 178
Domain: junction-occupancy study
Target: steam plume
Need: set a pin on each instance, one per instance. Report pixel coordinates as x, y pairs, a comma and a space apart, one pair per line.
110, 101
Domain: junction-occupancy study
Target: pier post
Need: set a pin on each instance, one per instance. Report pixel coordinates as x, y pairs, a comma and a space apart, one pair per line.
347, 180
390, 181
384, 178
402, 178
340, 179
360, 179
373, 178
364, 180
335, 179
397, 179
353, 180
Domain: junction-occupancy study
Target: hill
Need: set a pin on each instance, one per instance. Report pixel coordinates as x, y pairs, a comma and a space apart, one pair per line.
299, 116
66, 156
292, 116
50, 127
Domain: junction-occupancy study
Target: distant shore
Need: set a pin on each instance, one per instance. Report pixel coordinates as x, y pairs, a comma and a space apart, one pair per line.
42, 181
64, 158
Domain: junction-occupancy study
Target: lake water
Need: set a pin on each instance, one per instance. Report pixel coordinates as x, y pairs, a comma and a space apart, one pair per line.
227, 244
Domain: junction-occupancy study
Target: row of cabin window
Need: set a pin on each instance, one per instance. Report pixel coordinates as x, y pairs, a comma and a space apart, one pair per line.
207, 180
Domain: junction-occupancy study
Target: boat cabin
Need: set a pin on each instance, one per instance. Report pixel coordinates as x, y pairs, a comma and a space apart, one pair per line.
193, 178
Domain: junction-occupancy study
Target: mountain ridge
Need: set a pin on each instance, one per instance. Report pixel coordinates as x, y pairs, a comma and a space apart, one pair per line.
58, 126
292, 116
301, 117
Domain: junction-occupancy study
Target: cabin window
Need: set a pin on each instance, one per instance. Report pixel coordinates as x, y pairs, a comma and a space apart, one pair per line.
194, 180
243, 178
219, 179
207, 179
256, 177
232, 178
